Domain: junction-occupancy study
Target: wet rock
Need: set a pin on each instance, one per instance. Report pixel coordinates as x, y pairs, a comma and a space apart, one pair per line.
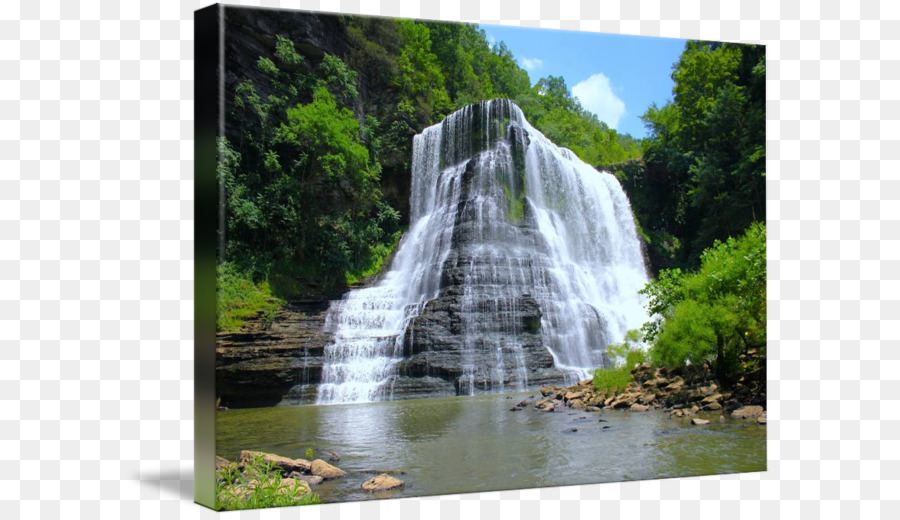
639, 407
287, 465
547, 390
591, 409
542, 402
577, 404
574, 429
747, 412
699, 422
569, 396
334, 457
712, 406
325, 470
383, 482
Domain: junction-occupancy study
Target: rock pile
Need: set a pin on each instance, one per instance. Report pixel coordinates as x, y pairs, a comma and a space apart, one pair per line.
683, 392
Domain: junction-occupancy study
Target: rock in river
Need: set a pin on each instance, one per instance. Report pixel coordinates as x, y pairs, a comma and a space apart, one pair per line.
382, 482
287, 465
747, 412
325, 470
699, 422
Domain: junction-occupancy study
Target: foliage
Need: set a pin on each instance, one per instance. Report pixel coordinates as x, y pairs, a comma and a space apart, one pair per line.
302, 176
704, 173
259, 485
716, 314
238, 298
309, 454
624, 356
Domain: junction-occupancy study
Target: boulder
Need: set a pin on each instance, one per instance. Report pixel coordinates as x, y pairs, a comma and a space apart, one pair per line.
383, 482
287, 465
708, 390
639, 407
549, 407
325, 470
542, 402
647, 398
747, 412
586, 382
573, 395
675, 386
577, 404
547, 390
591, 408
712, 399
712, 406
699, 422
312, 480
762, 419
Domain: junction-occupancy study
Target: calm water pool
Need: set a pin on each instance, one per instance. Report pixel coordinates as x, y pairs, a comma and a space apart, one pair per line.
472, 444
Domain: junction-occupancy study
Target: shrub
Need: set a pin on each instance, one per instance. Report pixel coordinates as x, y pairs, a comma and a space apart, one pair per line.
625, 356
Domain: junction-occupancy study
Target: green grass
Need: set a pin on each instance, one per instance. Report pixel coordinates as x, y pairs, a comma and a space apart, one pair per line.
239, 298
258, 485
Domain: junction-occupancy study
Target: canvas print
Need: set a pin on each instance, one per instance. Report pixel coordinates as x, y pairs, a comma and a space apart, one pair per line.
443, 258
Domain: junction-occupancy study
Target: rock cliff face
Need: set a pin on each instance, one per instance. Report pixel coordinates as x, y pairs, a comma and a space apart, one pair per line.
266, 362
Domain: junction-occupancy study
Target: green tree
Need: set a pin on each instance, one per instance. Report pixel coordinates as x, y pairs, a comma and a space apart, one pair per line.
716, 314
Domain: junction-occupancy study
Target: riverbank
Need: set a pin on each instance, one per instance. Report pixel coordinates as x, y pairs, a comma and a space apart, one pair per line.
682, 392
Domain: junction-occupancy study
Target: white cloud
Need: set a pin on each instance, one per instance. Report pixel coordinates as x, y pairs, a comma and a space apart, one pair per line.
597, 96
532, 63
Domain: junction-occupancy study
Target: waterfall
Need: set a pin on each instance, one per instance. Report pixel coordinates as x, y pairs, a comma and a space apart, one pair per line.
528, 250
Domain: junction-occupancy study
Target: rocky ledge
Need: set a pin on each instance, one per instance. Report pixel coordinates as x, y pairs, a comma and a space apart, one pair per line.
683, 393
267, 361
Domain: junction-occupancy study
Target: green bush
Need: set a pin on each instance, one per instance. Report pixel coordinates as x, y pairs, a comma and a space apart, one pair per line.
258, 485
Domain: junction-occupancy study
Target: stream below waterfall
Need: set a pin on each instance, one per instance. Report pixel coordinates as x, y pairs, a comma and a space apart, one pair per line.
473, 444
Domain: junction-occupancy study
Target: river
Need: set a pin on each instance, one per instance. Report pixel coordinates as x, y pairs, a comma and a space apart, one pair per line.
474, 444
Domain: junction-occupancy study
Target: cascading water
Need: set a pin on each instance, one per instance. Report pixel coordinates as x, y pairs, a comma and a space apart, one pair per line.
516, 249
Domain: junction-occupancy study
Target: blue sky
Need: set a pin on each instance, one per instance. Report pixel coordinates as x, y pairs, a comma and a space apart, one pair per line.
616, 76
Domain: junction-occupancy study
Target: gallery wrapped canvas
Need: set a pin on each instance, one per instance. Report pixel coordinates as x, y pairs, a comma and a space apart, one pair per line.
426, 264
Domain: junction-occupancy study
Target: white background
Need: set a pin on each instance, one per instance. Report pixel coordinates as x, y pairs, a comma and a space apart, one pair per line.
96, 261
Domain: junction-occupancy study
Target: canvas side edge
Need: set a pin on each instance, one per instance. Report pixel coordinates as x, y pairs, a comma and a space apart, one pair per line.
208, 77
